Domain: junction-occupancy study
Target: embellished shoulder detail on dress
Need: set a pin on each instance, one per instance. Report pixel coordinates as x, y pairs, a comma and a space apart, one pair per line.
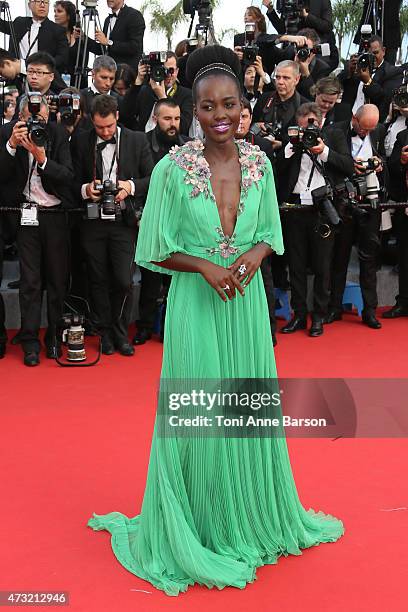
189, 157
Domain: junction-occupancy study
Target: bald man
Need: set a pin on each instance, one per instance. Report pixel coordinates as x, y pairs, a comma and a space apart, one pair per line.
365, 138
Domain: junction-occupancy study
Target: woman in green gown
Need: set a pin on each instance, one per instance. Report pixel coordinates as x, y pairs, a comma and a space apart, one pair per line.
214, 508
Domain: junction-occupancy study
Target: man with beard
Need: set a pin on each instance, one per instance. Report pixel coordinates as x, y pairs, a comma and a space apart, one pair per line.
162, 138
166, 134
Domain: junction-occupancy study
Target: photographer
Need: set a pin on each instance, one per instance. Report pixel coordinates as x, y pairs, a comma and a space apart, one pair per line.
398, 167
365, 139
103, 78
120, 162
254, 81
279, 107
390, 31
313, 159
161, 139
244, 133
122, 35
37, 169
369, 78
327, 92
312, 68
37, 33
10, 70
137, 106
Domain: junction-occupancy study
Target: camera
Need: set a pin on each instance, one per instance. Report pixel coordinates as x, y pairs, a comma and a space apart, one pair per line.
192, 45
400, 94
370, 165
155, 60
203, 8
323, 202
290, 11
70, 330
37, 128
305, 137
361, 189
250, 50
271, 129
365, 59
69, 107
303, 53
90, 4
108, 191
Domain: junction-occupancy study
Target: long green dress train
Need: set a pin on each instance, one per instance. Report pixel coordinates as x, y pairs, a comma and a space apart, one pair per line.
214, 509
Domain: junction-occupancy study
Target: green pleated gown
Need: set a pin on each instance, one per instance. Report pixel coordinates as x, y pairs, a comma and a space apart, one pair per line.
214, 508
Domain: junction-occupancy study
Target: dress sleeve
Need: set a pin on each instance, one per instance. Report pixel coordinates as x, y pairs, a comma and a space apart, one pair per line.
269, 228
159, 232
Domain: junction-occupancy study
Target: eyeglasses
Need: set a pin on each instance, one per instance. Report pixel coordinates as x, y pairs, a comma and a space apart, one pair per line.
39, 73
45, 2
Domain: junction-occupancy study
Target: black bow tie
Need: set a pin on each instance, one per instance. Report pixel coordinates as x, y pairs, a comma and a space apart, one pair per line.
105, 143
353, 132
112, 15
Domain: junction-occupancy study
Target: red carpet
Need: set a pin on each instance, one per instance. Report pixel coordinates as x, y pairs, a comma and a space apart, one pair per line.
75, 442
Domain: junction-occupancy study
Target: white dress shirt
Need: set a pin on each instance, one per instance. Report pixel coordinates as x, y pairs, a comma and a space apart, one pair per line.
30, 39
392, 133
308, 173
107, 155
34, 190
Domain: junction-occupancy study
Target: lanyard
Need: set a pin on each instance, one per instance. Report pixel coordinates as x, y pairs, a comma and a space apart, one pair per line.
115, 157
30, 176
31, 44
360, 147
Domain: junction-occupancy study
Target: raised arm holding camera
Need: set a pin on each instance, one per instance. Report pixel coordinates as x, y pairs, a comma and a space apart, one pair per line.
311, 66
313, 162
161, 72
36, 175
368, 77
112, 172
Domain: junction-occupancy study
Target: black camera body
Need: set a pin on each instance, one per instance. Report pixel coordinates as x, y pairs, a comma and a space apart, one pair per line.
108, 191
305, 137
69, 107
365, 58
291, 11
361, 189
156, 60
303, 53
400, 96
37, 128
323, 202
271, 129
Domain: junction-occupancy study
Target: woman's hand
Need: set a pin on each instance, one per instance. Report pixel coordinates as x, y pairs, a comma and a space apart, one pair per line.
222, 280
246, 265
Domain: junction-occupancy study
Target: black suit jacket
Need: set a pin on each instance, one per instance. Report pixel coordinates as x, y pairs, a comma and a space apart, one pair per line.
137, 105
339, 112
56, 177
51, 38
338, 166
319, 69
158, 148
127, 37
379, 92
135, 161
88, 95
398, 185
391, 34
320, 19
263, 111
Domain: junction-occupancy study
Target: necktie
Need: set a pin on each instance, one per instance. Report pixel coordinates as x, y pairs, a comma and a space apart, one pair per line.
98, 161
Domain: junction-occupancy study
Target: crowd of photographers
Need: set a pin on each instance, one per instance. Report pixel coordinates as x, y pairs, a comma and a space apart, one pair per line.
338, 146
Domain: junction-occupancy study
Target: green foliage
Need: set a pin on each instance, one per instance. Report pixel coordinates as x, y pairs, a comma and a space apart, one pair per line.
164, 21
346, 17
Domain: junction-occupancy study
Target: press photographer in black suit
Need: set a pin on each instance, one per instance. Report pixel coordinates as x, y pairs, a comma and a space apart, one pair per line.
398, 167
161, 139
280, 106
363, 86
41, 175
109, 152
122, 35
390, 20
327, 92
305, 169
38, 33
136, 110
312, 68
103, 78
365, 140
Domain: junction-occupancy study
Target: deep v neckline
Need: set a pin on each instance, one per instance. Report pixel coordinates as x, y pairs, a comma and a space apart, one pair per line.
213, 198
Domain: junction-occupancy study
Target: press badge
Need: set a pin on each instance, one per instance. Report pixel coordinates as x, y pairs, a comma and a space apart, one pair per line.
29, 216
306, 198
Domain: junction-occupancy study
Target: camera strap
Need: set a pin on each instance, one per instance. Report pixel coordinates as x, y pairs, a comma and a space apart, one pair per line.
98, 160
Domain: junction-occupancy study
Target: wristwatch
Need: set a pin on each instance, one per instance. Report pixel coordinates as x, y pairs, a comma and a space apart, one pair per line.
110, 43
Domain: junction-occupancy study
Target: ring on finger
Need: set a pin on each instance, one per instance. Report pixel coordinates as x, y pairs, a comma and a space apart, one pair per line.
226, 288
242, 269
